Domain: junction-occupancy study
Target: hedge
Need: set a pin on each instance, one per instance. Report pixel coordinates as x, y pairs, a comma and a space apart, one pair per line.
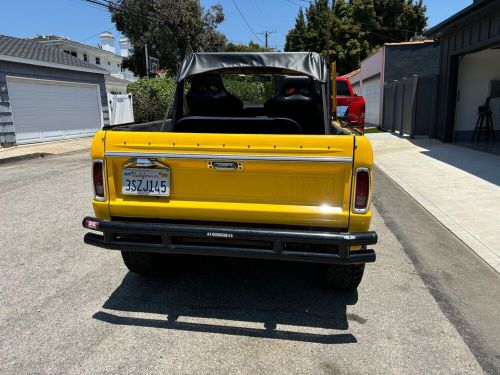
152, 95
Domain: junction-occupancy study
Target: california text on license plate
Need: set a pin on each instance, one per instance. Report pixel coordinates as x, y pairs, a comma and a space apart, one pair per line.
137, 181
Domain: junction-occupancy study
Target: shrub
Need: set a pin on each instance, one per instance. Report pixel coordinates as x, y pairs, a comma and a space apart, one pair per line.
151, 97
248, 89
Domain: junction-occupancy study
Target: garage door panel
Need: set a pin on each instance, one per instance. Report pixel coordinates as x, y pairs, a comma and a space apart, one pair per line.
29, 137
54, 134
371, 93
45, 110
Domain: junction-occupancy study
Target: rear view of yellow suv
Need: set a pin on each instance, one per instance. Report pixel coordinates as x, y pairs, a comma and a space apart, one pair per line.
233, 176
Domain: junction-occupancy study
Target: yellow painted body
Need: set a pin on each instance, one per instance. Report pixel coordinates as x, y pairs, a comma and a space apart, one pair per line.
307, 193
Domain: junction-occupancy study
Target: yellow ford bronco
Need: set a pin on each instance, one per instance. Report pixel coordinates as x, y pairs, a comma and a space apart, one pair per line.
247, 163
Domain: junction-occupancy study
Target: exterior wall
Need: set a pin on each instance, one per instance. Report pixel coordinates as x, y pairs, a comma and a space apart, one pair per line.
108, 60
113, 88
371, 67
7, 135
405, 61
475, 73
356, 88
474, 31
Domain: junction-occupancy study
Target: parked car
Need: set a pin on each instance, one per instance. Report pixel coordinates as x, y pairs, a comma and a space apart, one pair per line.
355, 114
251, 177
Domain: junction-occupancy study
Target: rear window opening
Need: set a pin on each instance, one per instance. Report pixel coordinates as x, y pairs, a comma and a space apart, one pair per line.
342, 88
250, 104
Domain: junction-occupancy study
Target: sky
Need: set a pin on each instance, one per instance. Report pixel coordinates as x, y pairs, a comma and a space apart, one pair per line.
83, 22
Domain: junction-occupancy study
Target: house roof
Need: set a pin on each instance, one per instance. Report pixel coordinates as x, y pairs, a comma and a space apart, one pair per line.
35, 53
425, 41
116, 80
51, 40
440, 28
351, 74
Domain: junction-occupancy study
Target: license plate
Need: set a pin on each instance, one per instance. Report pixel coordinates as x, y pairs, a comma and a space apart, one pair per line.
152, 182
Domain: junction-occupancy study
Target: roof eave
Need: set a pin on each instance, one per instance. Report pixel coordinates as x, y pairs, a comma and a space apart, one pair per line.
79, 45
46, 64
438, 30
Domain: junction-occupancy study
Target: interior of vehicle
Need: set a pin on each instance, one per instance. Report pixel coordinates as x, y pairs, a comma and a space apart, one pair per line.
250, 104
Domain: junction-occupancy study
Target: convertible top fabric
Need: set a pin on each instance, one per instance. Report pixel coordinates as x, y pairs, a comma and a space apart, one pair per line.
308, 63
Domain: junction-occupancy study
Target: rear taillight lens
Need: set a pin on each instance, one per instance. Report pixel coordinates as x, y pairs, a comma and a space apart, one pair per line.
362, 190
98, 179
362, 113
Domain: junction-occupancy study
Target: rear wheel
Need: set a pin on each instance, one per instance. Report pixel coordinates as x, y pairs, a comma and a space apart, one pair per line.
144, 263
344, 277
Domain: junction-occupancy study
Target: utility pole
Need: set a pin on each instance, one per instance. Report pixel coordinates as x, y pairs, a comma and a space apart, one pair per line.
266, 34
147, 60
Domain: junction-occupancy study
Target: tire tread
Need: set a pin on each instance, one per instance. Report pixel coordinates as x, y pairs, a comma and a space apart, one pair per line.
344, 277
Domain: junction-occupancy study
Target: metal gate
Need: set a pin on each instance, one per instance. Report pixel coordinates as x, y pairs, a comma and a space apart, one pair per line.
410, 105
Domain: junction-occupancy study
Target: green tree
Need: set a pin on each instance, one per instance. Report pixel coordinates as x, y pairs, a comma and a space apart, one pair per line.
251, 47
401, 20
170, 28
348, 31
296, 38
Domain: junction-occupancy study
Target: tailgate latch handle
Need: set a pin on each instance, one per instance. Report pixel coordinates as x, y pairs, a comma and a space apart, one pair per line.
225, 165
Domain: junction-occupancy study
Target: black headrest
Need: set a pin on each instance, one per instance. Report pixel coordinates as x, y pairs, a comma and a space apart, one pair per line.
207, 82
292, 85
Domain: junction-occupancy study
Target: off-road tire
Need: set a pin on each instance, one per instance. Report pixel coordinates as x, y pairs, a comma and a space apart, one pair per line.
343, 277
144, 263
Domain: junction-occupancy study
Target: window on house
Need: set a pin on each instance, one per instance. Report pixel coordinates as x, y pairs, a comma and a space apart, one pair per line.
109, 63
66, 51
73, 53
98, 60
85, 57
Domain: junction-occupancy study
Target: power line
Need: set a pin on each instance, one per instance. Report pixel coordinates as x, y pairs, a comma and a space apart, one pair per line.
294, 3
266, 34
387, 27
246, 22
119, 8
264, 19
92, 36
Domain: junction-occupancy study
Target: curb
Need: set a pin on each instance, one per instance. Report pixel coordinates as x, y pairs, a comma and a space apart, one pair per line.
15, 159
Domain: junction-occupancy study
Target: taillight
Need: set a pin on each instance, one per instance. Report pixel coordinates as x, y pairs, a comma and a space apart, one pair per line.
362, 113
98, 180
362, 190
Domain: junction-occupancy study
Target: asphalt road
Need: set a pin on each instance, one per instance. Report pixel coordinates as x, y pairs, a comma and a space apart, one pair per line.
67, 308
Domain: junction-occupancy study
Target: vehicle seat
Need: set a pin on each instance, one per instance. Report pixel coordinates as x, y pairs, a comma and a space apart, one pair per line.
298, 100
208, 97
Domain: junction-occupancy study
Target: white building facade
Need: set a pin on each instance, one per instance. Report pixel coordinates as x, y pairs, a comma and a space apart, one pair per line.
106, 57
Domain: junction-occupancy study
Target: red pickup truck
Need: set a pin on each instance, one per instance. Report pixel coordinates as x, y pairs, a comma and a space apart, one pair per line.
350, 105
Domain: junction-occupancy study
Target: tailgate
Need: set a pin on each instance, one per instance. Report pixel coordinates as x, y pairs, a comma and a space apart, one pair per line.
271, 179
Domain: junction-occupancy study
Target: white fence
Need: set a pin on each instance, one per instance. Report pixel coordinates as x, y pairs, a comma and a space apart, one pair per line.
121, 109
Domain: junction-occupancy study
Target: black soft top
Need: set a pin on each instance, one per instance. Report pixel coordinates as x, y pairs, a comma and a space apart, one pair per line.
308, 63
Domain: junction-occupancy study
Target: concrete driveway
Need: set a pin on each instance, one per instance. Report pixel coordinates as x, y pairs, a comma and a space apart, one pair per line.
459, 186
67, 308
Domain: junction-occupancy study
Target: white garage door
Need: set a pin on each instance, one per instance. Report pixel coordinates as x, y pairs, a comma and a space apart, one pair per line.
46, 110
371, 93
356, 88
